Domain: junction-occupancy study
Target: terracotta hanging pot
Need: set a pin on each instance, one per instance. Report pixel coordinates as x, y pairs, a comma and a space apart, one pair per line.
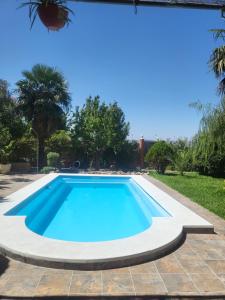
52, 16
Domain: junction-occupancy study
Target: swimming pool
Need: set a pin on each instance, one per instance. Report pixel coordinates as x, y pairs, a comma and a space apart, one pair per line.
89, 221
89, 209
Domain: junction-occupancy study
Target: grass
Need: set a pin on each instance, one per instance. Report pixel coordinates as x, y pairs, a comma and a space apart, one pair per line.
205, 190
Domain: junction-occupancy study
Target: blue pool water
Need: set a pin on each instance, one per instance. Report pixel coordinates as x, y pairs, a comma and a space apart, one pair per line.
89, 209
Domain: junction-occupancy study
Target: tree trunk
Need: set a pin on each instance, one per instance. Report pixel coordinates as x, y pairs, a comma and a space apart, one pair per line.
97, 160
41, 153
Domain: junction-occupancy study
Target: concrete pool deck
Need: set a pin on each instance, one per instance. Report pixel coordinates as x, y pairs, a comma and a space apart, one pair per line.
163, 235
196, 268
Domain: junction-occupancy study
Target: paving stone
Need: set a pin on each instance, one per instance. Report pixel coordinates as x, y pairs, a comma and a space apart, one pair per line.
168, 264
208, 283
52, 284
178, 283
146, 284
18, 284
86, 272
117, 271
144, 268
194, 266
204, 250
219, 245
186, 252
221, 277
194, 236
90, 284
218, 266
117, 284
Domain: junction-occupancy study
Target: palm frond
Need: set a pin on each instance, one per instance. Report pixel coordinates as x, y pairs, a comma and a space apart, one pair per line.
218, 33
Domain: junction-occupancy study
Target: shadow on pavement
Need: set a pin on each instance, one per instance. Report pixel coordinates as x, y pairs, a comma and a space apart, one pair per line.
4, 263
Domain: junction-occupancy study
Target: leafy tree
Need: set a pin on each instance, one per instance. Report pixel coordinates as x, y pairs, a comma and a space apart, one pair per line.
60, 142
23, 148
182, 161
217, 60
97, 127
209, 144
160, 155
12, 125
182, 158
43, 99
10, 118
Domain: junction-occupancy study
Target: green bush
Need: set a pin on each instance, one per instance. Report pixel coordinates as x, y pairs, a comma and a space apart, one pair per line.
60, 142
159, 156
182, 158
52, 159
47, 170
182, 161
4, 156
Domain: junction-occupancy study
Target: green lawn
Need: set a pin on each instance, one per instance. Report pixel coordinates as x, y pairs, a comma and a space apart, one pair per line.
206, 191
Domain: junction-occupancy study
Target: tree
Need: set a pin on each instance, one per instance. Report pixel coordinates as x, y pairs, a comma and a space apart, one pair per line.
208, 146
43, 99
182, 155
217, 61
159, 156
60, 142
97, 127
12, 126
23, 148
182, 161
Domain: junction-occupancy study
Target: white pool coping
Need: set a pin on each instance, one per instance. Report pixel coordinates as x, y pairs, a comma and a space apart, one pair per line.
16, 240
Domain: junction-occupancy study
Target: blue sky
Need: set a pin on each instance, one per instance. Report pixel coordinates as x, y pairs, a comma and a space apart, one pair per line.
153, 63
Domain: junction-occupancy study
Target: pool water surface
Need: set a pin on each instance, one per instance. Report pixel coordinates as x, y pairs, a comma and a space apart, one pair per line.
89, 209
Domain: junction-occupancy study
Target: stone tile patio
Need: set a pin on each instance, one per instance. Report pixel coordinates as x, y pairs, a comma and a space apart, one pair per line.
195, 270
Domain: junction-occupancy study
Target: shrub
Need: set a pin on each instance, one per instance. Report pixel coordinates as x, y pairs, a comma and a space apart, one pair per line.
47, 170
182, 158
182, 161
60, 142
23, 149
159, 156
52, 159
4, 156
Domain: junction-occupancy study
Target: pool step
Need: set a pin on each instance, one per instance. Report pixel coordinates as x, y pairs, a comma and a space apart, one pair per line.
39, 220
28, 207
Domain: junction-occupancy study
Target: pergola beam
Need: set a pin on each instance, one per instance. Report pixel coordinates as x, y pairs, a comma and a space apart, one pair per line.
170, 3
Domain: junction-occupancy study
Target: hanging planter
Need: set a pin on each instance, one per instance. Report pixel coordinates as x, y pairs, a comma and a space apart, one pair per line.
54, 14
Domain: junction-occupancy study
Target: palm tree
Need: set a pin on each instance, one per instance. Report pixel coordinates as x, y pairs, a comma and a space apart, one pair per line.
217, 60
43, 98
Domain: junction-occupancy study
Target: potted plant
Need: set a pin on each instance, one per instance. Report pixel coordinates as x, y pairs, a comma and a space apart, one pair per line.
54, 14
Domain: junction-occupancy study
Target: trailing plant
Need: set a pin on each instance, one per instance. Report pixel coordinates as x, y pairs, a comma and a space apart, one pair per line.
49, 11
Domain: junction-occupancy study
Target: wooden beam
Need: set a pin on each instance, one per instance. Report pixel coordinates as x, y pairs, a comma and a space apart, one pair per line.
170, 3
